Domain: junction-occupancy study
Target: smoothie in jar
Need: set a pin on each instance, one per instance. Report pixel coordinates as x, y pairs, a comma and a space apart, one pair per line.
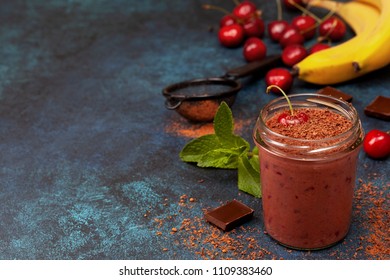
308, 169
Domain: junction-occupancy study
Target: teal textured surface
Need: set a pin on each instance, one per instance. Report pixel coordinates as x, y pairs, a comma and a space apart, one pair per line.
89, 165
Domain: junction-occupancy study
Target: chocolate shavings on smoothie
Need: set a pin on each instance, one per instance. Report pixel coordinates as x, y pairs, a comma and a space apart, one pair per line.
322, 123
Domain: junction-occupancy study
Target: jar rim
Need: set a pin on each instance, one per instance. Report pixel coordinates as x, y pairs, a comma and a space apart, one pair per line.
313, 100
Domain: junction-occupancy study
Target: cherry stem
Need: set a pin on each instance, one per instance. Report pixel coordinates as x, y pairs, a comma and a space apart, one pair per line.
321, 39
236, 2
303, 10
328, 15
279, 7
212, 7
285, 95
332, 27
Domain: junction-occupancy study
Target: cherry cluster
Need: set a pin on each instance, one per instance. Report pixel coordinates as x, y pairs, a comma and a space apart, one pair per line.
244, 26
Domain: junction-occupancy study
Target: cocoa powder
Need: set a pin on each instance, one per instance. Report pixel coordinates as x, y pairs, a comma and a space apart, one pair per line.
372, 205
325, 132
321, 123
194, 130
206, 241
196, 235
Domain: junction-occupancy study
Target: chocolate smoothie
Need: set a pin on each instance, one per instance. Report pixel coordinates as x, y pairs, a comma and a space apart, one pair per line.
308, 169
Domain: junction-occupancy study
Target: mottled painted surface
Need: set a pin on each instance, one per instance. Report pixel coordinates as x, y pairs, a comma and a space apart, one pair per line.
89, 165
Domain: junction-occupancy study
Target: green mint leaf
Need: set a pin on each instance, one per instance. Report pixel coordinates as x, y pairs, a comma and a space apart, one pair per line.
237, 141
224, 128
254, 159
222, 158
248, 176
226, 150
219, 150
194, 150
223, 123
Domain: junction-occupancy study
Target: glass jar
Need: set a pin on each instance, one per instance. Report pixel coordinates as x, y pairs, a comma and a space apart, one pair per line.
308, 185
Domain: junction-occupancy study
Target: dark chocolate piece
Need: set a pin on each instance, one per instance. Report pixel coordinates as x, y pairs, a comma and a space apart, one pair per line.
379, 108
331, 91
230, 215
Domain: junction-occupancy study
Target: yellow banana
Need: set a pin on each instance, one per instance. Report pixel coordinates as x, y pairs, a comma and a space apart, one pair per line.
376, 3
376, 51
356, 56
354, 13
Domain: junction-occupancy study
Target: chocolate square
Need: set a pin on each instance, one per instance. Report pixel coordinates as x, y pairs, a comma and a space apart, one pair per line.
230, 215
331, 91
379, 108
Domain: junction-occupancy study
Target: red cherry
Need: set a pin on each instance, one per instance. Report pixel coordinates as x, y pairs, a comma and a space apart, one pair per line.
276, 29
280, 77
287, 119
291, 36
293, 54
318, 47
231, 36
377, 144
254, 49
254, 27
245, 10
290, 6
306, 25
227, 20
333, 28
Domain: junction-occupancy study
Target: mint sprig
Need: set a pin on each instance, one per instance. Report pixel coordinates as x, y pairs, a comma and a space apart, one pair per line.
226, 150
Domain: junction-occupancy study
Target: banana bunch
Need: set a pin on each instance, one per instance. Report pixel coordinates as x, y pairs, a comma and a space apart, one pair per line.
367, 51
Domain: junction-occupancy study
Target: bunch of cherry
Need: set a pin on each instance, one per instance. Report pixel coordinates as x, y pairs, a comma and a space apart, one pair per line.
245, 26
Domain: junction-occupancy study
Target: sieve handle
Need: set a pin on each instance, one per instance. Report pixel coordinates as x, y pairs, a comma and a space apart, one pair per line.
263, 65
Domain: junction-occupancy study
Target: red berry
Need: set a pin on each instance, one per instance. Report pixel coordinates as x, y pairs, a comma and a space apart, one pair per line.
318, 47
293, 54
245, 10
306, 25
287, 119
231, 36
280, 77
276, 29
253, 27
377, 144
227, 20
333, 28
291, 36
254, 49
288, 4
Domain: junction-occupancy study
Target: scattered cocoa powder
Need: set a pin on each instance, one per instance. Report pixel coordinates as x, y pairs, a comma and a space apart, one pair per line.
373, 205
189, 130
192, 130
207, 241
212, 243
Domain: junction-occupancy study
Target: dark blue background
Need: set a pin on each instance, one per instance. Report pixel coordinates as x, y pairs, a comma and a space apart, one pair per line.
89, 164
